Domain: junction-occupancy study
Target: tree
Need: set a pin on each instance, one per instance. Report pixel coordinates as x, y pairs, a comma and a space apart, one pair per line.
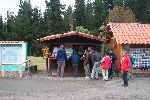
119, 2
36, 30
54, 17
68, 19
1, 27
10, 19
9, 33
121, 15
79, 13
141, 9
29, 26
82, 29
36, 26
23, 21
109, 4
89, 16
100, 13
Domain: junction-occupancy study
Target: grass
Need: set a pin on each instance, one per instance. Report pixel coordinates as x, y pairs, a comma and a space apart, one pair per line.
39, 61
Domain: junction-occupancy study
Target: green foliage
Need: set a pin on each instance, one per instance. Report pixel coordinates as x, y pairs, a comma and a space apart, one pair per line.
94, 32
103, 48
141, 9
100, 13
68, 20
82, 29
30, 24
23, 21
103, 31
54, 19
121, 15
122, 3
1, 27
109, 4
79, 13
89, 16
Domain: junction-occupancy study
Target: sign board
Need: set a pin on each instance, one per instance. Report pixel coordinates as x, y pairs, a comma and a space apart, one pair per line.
45, 50
13, 55
142, 57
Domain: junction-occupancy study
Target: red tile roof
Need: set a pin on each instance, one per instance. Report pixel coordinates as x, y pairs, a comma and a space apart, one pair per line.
131, 33
11, 42
51, 37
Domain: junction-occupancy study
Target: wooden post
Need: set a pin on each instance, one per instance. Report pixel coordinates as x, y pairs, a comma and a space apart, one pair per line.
3, 72
20, 70
48, 66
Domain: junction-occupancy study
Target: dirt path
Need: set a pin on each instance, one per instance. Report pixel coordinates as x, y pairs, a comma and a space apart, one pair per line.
49, 88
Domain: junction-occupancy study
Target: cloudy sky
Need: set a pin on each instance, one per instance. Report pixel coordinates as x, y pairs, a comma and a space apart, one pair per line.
13, 5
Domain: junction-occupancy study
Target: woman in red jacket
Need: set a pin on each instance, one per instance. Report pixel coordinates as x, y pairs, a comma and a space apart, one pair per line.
125, 67
105, 65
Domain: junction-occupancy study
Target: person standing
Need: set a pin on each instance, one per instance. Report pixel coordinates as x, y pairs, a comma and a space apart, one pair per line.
132, 60
87, 60
112, 69
61, 58
105, 65
75, 58
95, 62
125, 67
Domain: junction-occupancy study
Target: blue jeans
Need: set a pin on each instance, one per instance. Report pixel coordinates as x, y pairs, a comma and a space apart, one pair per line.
111, 71
125, 78
94, 73
75, 70
60, 69
130, 76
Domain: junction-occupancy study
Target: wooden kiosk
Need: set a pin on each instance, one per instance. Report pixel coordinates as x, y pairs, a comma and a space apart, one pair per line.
73, 41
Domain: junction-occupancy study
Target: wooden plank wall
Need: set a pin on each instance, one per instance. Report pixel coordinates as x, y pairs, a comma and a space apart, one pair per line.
118, 50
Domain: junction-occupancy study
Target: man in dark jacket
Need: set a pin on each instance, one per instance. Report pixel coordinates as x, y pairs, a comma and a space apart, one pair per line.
112, 69
75, 61
61, 58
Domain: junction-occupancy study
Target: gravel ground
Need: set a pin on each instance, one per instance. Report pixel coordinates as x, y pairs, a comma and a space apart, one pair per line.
53, 88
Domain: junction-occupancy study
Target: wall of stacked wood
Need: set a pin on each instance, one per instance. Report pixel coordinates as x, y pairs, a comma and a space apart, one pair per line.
118, 50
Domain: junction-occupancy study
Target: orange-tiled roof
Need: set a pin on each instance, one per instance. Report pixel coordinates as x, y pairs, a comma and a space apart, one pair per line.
51, 37
131, 33
11, 42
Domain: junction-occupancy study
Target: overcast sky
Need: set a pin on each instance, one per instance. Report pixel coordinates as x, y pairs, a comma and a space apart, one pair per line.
13, 5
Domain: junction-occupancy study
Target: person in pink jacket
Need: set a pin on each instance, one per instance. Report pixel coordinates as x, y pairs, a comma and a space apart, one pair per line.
125, 67
105, 65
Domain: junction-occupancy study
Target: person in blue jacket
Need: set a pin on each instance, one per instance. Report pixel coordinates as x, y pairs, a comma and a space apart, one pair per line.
75, 58
61, 58
112, 69
132, 59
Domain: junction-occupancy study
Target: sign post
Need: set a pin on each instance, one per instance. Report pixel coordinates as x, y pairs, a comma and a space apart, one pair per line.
20, 70
3, 72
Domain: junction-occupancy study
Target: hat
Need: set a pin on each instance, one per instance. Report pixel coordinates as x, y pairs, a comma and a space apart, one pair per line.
61, 46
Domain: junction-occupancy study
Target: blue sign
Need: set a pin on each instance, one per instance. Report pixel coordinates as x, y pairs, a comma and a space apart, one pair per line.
11, 55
